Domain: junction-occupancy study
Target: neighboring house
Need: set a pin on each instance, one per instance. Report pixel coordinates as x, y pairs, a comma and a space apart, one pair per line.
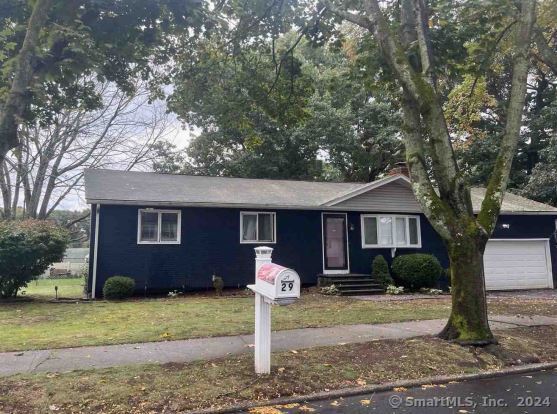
76, 255
73, 263
172, 231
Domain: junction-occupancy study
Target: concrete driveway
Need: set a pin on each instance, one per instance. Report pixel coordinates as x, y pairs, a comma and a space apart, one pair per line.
525, 294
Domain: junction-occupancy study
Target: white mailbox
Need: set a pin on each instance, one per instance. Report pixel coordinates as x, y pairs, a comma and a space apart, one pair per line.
274, 284
277, 283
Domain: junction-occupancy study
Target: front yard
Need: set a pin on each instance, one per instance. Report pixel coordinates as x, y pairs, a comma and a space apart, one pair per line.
180, 387
38, 324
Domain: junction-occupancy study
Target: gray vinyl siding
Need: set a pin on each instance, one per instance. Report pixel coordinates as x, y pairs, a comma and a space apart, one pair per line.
393, 197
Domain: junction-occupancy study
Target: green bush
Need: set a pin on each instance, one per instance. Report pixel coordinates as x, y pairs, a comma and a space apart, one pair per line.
27, 249
416, 271
118, 287
380, 271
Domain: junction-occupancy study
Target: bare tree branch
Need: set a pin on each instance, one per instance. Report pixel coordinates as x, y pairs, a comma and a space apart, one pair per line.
545, 54
48, 166
357, 19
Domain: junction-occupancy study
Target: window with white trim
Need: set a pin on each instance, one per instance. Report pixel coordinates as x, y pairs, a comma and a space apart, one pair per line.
158, 226
387, 230
257, 227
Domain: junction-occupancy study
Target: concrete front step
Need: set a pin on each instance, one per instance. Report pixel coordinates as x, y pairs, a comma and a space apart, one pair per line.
352, 280
343, 276
348, 292
352, 283
362, 285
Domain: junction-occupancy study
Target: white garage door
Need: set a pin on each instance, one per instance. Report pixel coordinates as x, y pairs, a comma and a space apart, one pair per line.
517, 264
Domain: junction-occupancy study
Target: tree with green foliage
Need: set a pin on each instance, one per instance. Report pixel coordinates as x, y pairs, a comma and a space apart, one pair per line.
49, 46
403, 33
309, 120
27, 249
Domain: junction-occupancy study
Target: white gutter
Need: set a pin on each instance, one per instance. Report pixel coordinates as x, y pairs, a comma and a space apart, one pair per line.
95, 250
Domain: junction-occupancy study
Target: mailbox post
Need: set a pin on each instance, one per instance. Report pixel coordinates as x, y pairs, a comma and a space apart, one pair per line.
274, 285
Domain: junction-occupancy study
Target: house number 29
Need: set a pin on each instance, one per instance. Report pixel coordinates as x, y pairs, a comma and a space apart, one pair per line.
289, 285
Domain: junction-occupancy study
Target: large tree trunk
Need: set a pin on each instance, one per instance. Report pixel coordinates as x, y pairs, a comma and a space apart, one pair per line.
18, 97
468, 323
429, 151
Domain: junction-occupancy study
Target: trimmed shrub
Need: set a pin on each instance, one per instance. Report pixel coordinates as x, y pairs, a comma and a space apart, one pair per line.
27, 249
416, 271
380, 271
118, 287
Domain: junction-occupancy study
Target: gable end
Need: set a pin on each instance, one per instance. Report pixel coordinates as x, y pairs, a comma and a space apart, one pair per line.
392, 197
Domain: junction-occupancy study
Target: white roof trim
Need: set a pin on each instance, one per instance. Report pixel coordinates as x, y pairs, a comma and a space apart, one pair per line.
165, 204
375, 184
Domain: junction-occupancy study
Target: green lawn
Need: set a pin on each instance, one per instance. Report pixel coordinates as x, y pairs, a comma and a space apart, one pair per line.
44, 288
37, 325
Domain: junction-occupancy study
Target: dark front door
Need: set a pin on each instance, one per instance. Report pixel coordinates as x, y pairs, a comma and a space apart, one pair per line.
335, 249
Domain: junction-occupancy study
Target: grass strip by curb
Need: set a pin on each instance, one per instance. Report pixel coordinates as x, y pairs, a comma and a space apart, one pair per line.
374, 388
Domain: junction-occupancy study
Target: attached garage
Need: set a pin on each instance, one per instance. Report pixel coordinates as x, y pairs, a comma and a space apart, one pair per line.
518, 264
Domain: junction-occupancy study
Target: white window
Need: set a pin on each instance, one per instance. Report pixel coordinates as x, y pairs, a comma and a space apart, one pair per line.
386, 230
257, 227
158, 226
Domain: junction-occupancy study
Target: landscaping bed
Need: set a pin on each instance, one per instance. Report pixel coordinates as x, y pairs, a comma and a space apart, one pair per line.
179, 387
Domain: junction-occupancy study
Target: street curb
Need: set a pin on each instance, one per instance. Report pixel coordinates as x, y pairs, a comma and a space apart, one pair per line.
347, 392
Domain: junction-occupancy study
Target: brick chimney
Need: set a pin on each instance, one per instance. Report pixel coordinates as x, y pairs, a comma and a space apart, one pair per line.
400, 168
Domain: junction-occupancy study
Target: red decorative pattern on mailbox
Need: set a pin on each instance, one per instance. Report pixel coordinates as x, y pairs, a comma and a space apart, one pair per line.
269, 272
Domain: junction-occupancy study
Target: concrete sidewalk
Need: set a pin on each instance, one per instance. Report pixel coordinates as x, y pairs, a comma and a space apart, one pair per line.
91, 357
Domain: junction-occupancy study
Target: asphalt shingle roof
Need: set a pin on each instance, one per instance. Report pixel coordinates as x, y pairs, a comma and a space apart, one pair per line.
109, 186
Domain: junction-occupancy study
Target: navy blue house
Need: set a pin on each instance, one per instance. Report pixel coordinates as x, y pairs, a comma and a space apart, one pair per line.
175, 231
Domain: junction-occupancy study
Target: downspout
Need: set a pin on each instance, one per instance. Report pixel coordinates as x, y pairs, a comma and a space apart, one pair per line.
95, 250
